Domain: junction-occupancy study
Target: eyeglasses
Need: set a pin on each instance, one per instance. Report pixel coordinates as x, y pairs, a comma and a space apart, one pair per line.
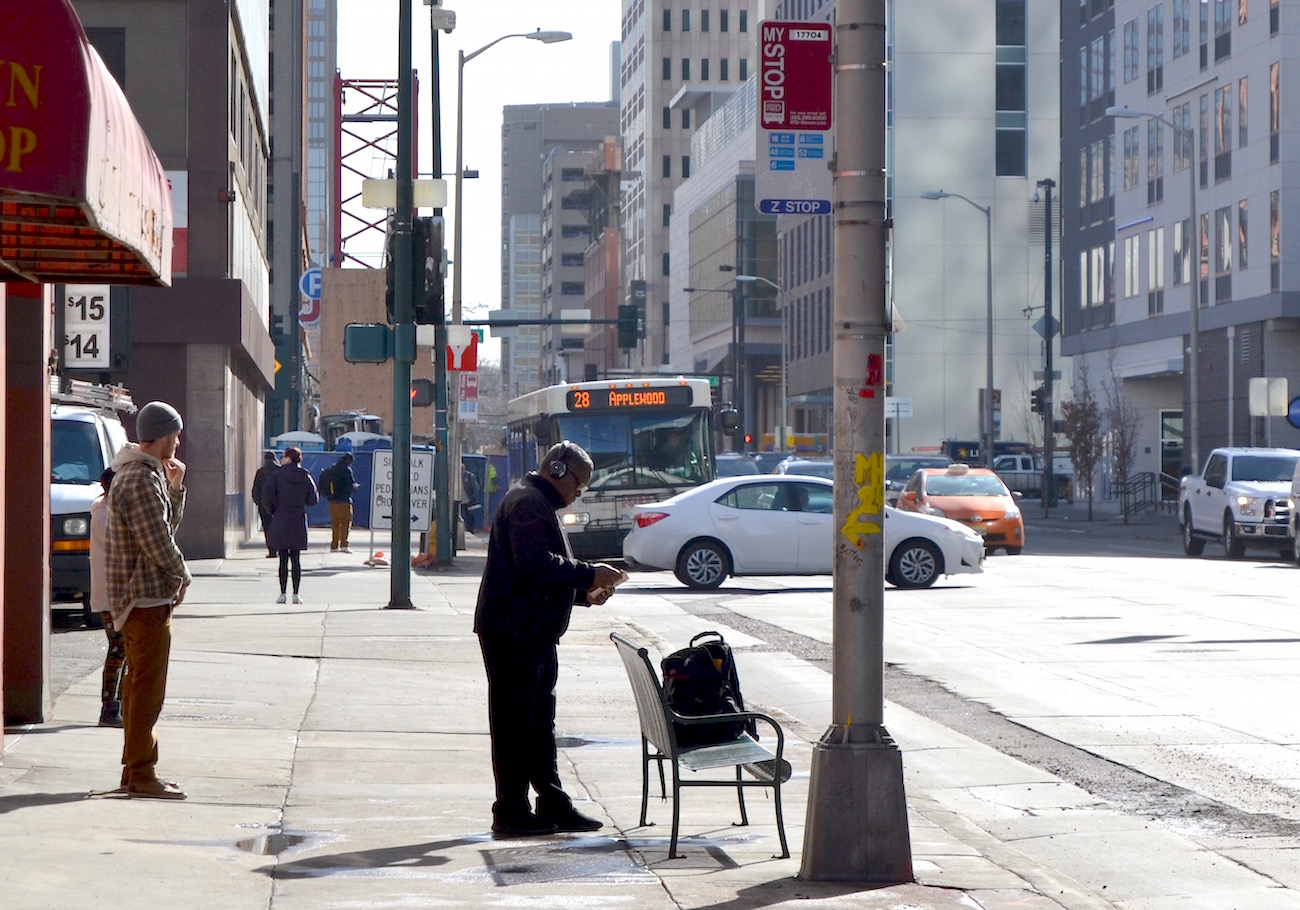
581, 486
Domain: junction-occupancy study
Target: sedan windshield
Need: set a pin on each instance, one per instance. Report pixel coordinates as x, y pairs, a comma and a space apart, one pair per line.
964, 485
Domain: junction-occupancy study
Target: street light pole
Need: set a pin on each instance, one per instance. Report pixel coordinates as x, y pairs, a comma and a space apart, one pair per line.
549, 37
1049, 333
1192, 245
785, 428
986, 442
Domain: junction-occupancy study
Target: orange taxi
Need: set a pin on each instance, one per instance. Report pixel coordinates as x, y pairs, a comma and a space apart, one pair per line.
974, 496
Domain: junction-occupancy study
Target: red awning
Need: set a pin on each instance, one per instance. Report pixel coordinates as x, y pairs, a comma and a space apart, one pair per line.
83, 197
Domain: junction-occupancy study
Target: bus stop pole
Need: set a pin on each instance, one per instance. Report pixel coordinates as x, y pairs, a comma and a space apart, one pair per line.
857, 811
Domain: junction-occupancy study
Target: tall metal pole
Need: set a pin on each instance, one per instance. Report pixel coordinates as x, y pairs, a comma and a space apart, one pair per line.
1049, 333
988, 355
443, 476
403, 327
1194, 320
857, 813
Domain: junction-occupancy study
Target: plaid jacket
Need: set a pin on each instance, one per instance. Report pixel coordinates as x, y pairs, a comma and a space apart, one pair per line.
144, 566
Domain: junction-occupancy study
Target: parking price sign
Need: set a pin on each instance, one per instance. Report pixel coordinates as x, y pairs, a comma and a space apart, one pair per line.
794, 117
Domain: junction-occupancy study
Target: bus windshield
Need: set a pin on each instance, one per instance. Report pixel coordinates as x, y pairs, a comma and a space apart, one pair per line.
632, 451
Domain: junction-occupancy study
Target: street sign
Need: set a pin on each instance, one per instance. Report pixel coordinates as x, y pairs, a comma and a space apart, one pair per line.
1046, 326
462, 348
309, 284
467, 403
793, 176
85, 327
381, 490
897, 407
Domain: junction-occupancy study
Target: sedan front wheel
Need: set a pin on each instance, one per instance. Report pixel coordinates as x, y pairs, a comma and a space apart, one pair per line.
915, 564
702, 564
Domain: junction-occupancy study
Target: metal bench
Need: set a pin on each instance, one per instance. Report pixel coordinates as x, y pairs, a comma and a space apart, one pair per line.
743, 753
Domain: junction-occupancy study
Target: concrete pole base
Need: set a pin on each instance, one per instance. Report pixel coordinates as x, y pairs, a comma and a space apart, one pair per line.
857, 812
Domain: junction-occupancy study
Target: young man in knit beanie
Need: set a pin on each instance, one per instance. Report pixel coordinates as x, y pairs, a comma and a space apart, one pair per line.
146, 580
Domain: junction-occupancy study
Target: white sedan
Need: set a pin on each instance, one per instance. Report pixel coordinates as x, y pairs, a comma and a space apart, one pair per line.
782, 524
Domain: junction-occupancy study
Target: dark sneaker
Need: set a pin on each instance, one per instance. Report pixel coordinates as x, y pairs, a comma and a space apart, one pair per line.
525, 824
570, 819
154, 789
111, 714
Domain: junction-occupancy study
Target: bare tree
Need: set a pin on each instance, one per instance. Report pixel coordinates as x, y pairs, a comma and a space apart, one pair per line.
1081, 421
487, 434
1124, 422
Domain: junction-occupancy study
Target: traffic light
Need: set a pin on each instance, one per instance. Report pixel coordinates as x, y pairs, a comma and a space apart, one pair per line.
277, 326
428, 265
627, 325
421, 393
1036, 401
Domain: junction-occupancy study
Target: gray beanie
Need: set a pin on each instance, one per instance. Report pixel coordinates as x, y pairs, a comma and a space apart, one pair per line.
156, 420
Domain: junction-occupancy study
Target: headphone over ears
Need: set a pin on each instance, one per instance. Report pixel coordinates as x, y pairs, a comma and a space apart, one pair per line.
559, 467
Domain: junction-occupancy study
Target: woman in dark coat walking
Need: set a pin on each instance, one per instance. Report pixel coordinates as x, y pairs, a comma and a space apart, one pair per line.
287, 494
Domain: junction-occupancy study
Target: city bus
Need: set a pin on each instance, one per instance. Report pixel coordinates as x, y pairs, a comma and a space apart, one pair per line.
649, 439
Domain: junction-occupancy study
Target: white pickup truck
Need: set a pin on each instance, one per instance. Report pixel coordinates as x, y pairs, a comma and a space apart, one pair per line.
1242, 498
1024, 474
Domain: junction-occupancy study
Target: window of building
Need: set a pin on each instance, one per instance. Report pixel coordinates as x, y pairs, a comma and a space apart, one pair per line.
668, 118
572, 289
572, 260
1156, 49
1155, 161
1222, 28
1182, 252
668, 68
571, 174
1182, 119
1203, 31
1275, 240
722, 20
668, 211
665, 264
1182, 27
1223, 243
1274, 113
704, 70
1130, 51
744, 20
1010, 91
1223, 132
686, 118
744, 68
1272, 17
572, 231
1243, 110
668, 166
1204, 261
1241, 234
1132, 157
1156, 272
686, 69
1205, 138
704, 20
722, 69
668, 19
1132, 246
686, 166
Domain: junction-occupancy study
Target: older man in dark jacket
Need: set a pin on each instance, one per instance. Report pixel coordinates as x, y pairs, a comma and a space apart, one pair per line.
528, 590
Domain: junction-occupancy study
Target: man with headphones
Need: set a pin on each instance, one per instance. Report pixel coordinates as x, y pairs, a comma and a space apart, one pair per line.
530, 583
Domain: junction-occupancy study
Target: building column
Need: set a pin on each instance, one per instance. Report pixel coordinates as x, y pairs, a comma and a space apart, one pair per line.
26, 492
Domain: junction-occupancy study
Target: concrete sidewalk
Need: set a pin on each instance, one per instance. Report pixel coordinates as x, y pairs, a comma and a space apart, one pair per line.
336, 755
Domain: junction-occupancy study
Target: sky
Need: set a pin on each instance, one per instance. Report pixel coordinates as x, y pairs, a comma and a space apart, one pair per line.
516, 71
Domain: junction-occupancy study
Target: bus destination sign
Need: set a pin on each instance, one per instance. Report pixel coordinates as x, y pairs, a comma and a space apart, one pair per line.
625, 399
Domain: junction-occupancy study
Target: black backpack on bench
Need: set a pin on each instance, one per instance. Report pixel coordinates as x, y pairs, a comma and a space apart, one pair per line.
701, 679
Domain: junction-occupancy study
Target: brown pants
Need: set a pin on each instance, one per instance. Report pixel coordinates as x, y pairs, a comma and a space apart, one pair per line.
148, 636
340, 524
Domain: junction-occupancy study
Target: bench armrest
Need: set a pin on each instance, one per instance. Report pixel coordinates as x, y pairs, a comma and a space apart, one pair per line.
691, 720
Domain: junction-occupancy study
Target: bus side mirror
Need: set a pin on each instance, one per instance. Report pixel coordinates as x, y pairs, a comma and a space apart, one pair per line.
730, 422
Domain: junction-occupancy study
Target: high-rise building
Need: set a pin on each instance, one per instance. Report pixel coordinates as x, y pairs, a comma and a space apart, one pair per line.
680, 62
1134, 257
530, 135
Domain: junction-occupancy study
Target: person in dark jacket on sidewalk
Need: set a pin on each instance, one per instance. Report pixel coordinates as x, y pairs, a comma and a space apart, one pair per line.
287, 495
337, 483
263, 474
530, 583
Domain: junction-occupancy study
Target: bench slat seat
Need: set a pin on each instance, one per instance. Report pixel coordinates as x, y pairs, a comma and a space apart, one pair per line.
743, 753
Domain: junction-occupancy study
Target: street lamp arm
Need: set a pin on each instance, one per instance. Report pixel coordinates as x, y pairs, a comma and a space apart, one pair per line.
539, 35
766, 281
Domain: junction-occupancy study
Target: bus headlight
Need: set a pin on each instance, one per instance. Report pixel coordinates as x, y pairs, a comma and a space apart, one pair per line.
569, 519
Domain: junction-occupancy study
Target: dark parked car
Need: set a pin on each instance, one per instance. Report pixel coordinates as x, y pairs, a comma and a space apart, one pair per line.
898, 468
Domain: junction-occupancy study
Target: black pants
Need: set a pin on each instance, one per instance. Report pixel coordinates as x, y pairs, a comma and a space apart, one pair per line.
521, 718
289, 560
